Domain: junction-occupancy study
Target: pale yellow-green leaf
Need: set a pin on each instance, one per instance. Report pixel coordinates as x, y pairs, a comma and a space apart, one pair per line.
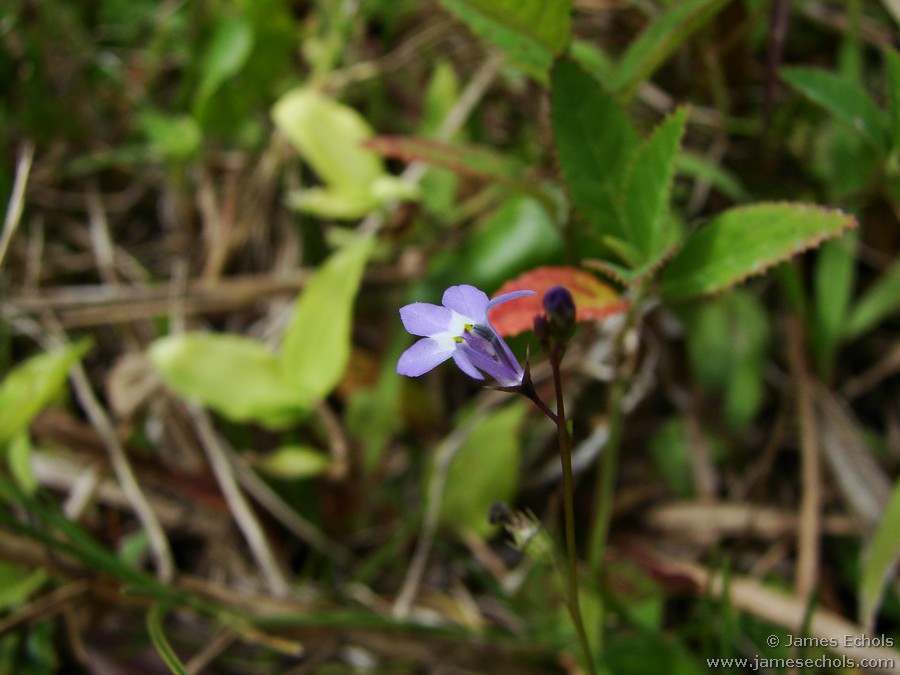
19, 460
294, 462
316, 346
234, 375
329, 136
32, 385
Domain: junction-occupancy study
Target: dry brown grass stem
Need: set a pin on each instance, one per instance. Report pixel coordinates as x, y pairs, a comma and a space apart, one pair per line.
105, 304
218, 455
118, 458
17, 199
809, 528
788, 611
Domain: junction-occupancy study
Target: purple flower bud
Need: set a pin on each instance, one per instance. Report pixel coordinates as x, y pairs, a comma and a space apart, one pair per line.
560, 307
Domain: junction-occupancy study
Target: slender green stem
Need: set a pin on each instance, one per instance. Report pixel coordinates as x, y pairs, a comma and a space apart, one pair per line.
604, 490
565, 454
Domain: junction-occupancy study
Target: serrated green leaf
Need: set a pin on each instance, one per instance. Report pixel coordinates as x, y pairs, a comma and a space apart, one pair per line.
294, 462
547, 23
659, 40
647, 187
844, 99
745, 241
228, 51
892, 83
236, 376
882, 555
595, 140
484, 471
32, 385
879, 301
316, 345
531, 32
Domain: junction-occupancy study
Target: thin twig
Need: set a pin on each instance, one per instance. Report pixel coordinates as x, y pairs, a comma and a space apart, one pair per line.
17, 199
788, 611
810, 525
276, 506
246, 520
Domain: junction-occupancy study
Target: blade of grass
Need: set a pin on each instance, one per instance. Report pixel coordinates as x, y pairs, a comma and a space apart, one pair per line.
155, 628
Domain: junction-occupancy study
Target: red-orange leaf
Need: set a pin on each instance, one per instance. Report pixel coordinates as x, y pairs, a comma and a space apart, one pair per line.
594, 299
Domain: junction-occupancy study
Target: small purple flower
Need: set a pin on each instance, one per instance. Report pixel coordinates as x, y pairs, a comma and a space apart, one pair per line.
460, 329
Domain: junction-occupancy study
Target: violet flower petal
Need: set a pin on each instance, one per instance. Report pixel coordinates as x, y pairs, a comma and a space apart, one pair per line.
506, 297
465, 365
424, 319
425, 355
467, 301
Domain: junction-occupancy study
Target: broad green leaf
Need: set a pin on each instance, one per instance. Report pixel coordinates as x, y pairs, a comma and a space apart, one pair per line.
32, 385
878, 302
844, 99
316, 345
547, 23
892, 83
595, 141
834, 275
236, 376
881, 557
160, 642
647, 187
294, 462
330, 137
665, 34
745, 241
484, 471
531, 32
226, 54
